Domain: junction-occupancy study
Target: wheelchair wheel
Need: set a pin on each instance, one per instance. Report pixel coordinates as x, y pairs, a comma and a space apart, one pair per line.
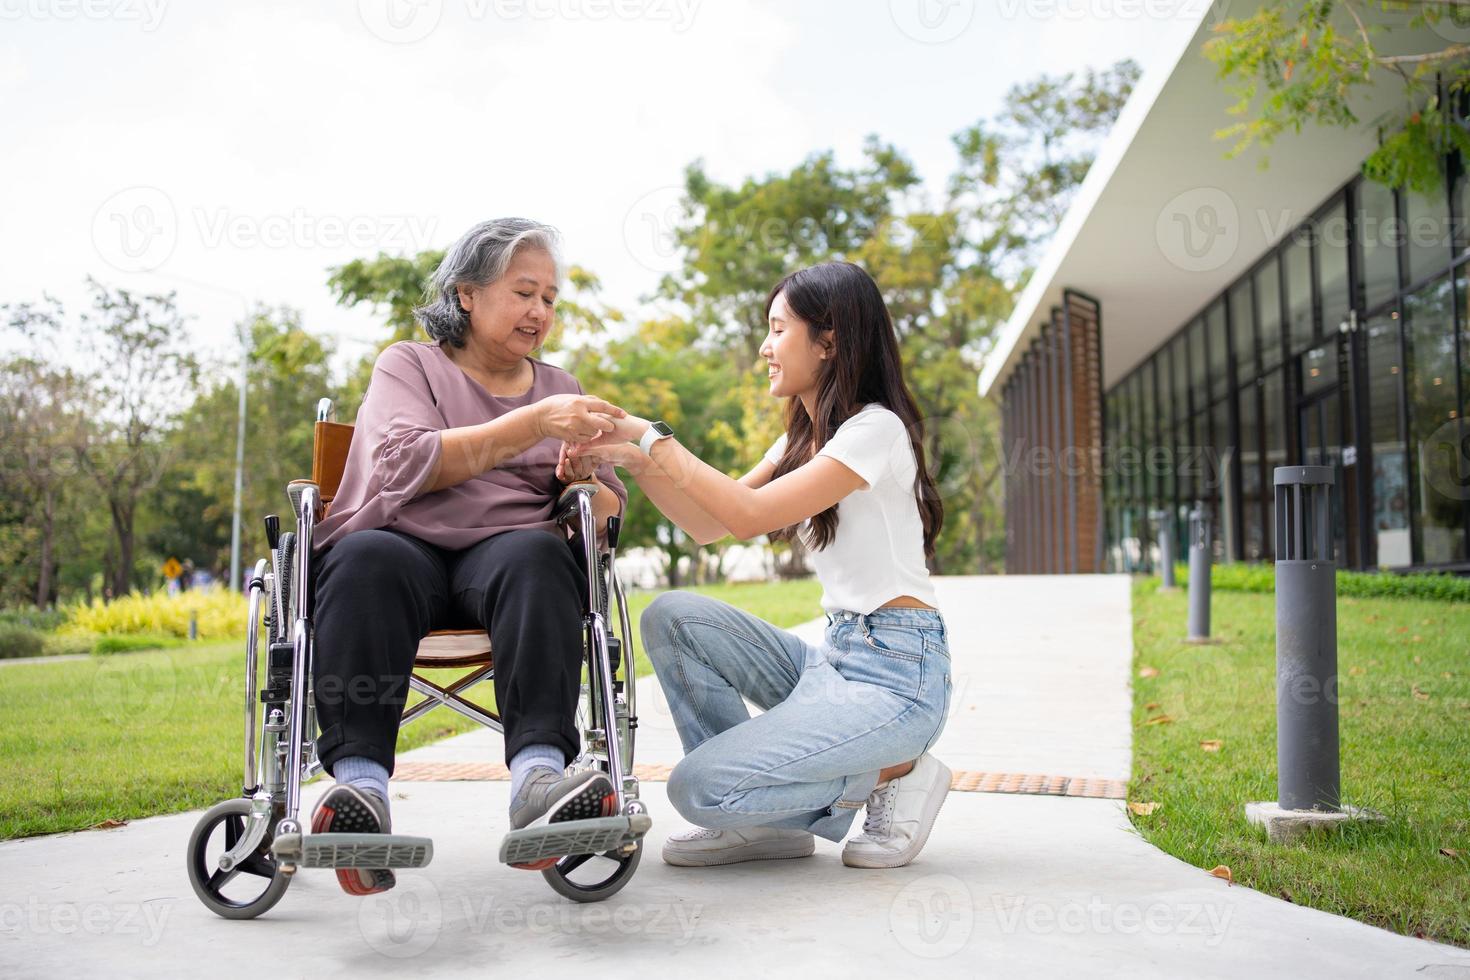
250, 889
592, 877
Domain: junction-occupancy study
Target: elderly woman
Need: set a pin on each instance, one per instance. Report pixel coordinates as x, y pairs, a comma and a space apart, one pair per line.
444, 519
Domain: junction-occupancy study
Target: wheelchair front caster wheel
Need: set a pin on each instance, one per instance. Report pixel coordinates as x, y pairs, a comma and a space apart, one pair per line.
592, 877
250, 888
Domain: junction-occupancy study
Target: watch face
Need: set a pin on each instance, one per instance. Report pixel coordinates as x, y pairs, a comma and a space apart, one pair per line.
663, 428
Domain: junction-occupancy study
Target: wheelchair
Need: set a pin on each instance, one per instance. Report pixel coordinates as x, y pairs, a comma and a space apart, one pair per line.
244, 852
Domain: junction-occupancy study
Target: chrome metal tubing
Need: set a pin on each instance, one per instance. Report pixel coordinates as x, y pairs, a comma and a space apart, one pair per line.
601, 664
252, 629
301, 650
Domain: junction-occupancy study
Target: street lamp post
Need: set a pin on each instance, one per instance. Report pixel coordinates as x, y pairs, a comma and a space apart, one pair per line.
239, 457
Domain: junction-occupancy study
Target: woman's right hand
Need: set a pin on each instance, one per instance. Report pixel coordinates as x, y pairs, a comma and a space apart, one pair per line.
575, 418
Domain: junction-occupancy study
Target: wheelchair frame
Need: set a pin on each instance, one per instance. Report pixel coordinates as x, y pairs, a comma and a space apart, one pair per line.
263, 832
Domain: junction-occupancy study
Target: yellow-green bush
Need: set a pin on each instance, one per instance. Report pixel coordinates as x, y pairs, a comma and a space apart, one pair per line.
221, 615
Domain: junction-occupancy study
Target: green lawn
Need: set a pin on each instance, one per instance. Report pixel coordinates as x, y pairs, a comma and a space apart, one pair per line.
1405, 738
133, 735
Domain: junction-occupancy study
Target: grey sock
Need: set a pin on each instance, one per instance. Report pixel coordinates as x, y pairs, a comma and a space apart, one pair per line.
363, 773
531, 757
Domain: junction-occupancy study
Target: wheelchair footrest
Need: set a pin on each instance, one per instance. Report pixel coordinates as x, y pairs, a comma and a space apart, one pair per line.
367, 851
594, 836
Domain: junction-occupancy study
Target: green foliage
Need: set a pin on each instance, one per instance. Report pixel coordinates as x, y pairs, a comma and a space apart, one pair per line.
1261, 577
1404, 697
1310, 63
130, 644
218, 614
19, 641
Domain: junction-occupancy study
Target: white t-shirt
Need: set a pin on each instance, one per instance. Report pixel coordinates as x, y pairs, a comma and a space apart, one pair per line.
877, 553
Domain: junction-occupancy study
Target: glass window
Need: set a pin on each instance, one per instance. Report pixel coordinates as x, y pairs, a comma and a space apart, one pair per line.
1390, 481
1298, 271
1243, 331
1268, 309
1146, 425
1273, 430
1219, 343
1181, 378
1436, 500
1250, 473
1219, 466
1380, 233
1199, 368
1332, 268
1462, 218
1428, 230
1319, 368
1165, 361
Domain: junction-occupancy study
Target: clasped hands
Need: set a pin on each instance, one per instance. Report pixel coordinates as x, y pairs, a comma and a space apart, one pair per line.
592, 431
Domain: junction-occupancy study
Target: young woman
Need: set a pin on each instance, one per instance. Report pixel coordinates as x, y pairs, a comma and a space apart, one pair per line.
848, 723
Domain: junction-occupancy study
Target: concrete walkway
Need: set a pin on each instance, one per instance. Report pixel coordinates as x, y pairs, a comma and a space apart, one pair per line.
1008, 885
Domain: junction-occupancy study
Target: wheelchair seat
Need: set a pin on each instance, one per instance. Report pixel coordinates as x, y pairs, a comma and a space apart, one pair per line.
449, 649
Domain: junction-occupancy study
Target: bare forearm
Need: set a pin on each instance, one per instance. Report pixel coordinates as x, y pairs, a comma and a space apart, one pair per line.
724, 500
677, 505
470, 450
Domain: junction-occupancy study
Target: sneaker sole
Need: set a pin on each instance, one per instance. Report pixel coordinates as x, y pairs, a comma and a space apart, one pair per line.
883, 862
755, 851
357, 815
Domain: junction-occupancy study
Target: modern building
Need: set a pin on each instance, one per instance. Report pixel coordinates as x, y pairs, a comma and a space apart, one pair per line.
1198, 321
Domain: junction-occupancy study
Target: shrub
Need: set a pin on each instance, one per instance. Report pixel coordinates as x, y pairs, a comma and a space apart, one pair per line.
19, 641
126, 643
42, 620
221, 615
1261, 577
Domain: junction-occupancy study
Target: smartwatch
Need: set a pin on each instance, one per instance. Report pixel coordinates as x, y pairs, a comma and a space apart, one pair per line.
656, 431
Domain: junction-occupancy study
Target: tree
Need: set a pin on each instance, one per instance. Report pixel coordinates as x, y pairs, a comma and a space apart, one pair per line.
1306, 63
288, 373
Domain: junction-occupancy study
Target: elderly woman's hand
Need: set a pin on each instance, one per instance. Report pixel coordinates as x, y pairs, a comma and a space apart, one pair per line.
575, 418
570, 470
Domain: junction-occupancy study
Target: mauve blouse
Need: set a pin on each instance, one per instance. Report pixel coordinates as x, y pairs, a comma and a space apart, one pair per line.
416, 391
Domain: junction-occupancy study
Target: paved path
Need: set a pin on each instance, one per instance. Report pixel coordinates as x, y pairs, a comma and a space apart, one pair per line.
1009, 884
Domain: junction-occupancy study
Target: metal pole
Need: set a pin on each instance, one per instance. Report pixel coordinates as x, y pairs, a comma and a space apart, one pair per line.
234, 582
1165, 520
1308, 775
1199, 573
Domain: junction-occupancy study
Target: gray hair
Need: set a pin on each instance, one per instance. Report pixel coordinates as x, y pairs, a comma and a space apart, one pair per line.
479, 258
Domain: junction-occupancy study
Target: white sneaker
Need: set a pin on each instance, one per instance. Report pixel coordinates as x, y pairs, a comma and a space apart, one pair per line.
900, 816
701, 848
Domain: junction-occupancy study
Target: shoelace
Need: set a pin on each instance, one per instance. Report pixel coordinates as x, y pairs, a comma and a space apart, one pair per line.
879, 820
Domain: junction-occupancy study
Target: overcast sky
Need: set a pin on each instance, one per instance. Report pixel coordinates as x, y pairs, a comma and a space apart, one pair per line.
235, 151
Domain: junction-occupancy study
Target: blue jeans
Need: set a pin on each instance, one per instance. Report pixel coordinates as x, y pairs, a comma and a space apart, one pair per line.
874, 694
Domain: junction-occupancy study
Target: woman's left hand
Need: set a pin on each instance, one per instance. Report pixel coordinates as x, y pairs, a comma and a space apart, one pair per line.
569, 470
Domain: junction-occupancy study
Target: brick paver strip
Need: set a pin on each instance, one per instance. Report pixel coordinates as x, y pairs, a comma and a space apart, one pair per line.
966, 781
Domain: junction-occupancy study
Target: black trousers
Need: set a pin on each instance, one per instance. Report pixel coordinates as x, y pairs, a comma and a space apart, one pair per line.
377, 593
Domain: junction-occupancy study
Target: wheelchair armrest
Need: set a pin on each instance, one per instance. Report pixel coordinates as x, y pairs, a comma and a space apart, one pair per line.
566, 504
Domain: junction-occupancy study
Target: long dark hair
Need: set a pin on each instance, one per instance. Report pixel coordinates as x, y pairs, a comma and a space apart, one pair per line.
866, 367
